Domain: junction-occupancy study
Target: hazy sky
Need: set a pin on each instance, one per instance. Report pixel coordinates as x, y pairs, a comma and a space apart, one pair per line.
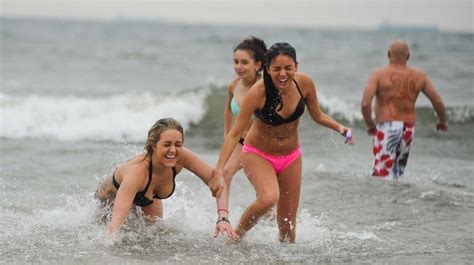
452, 15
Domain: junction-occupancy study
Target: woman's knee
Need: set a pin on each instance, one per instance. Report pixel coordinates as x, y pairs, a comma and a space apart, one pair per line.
228, 175
269, 199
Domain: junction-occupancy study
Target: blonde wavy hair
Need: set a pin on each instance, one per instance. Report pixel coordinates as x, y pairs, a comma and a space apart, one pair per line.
157, 129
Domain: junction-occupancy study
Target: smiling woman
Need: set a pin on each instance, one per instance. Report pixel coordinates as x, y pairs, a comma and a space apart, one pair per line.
248, 65
148, 178
271, 154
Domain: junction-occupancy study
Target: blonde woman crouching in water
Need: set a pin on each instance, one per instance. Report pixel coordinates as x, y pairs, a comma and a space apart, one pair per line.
148, 178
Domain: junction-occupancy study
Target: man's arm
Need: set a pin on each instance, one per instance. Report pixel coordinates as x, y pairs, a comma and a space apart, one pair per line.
437, 102
366, 103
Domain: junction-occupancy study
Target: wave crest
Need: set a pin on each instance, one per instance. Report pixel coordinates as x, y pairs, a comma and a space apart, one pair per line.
127, 117
116, 118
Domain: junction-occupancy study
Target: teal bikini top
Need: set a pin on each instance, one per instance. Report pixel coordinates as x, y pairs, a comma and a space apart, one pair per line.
234, 106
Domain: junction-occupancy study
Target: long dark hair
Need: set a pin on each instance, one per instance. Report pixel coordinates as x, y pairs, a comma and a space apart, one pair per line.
271, 92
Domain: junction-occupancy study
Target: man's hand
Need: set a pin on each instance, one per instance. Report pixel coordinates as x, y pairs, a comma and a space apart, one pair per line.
216, 184
371, 130
442, 126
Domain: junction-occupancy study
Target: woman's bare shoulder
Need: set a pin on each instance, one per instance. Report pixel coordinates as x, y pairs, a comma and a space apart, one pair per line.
305, 82
188, 159
233, 84
303, 77
136, 166
185, 155
258, 87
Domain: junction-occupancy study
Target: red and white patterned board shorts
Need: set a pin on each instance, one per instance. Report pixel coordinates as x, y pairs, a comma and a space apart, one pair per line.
391, 148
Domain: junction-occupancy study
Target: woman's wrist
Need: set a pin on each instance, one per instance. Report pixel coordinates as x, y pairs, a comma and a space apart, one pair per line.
341, 129
221, 212
222, 219
218, 171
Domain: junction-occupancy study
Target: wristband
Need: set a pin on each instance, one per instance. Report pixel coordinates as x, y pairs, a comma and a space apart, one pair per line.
223, 219
348, 135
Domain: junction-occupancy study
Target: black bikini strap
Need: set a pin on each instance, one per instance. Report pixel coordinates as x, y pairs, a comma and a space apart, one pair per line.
116, 184
150, 174
174, 172
298, 87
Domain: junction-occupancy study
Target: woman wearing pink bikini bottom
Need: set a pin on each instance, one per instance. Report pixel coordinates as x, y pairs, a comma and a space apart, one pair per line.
271, 155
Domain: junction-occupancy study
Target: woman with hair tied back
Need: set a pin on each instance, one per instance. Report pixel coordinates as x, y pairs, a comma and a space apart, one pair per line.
248, 64
271, 154
146, 179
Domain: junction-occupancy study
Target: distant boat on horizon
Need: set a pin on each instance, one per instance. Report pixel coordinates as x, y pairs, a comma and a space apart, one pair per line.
387, 26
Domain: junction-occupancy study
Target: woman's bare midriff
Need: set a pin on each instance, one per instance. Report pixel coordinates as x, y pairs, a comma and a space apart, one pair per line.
276, 140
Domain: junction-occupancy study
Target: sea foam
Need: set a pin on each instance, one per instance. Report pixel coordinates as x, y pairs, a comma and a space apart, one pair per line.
115, 118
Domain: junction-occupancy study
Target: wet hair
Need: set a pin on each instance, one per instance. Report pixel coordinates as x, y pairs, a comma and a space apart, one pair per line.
255, 46
271, 92
157, 129
279, 48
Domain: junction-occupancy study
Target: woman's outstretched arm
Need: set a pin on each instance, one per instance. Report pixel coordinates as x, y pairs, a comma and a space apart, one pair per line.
205, 172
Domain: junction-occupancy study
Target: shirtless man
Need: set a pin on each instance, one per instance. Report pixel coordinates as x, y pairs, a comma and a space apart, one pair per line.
396, 88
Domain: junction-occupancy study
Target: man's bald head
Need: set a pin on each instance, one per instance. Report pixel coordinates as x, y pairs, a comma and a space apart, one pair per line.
399, 51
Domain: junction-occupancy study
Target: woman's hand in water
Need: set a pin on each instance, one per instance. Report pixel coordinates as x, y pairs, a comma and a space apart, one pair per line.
216, 184
223, 227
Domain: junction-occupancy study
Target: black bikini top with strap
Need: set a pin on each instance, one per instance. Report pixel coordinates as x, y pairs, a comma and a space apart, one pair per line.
140, 198
268, 114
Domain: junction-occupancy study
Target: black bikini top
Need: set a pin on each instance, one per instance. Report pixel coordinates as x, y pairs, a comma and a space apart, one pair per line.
268, 114
140, 198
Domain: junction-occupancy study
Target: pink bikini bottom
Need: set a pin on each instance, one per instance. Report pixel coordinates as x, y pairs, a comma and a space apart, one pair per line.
279, 163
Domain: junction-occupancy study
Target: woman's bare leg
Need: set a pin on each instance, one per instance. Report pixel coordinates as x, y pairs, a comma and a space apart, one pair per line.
289, 182
263, 178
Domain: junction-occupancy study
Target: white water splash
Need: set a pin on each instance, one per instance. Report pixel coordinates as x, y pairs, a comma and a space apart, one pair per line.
114, 118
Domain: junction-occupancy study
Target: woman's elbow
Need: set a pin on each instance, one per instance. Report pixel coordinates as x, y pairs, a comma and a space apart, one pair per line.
317, 118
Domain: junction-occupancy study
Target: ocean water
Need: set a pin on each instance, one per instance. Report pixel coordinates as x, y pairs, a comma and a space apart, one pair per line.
77, 98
